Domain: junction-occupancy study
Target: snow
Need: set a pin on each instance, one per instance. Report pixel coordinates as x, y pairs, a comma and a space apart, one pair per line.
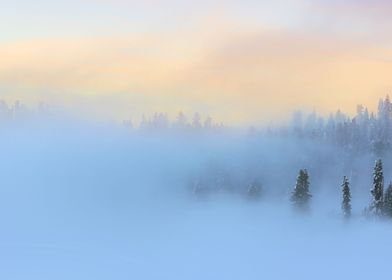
92, 202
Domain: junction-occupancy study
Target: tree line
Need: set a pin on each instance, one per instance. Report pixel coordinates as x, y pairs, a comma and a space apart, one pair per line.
365, 132
380, 206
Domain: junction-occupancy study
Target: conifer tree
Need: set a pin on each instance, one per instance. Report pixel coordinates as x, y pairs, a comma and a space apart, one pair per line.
300, 197
254, 190
388, 201
346, 202
378, 189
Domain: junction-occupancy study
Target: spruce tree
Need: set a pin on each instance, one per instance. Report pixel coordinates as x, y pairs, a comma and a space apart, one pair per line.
346, 202
300, 197
254, 190
378, 189
388, 201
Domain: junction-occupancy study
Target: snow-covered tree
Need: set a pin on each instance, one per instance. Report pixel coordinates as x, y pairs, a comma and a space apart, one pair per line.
378, 189
181, 122
365, 132
300, 197
196, 122
208, 123
254, 190
346, 202
388, 201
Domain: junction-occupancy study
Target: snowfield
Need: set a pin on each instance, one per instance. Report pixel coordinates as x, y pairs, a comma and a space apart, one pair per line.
90, 202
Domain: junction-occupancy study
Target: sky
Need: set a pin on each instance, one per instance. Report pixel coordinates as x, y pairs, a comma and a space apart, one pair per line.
239, 61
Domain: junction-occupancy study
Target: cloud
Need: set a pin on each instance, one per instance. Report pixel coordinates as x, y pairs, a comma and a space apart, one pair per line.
361, 19
237, 73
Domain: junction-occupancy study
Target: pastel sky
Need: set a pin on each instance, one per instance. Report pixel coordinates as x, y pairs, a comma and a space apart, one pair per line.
239, 61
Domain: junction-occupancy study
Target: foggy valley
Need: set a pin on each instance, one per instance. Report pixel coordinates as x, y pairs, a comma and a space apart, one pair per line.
190, 199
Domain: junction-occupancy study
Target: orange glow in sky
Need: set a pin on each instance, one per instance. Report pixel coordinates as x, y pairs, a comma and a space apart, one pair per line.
239, 61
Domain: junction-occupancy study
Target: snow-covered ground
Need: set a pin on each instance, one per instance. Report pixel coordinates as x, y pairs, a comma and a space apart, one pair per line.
100, 203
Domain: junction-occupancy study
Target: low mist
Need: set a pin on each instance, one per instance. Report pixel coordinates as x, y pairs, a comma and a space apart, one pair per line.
81, 200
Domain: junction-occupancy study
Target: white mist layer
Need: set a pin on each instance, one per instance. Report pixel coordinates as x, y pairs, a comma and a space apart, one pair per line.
94, 202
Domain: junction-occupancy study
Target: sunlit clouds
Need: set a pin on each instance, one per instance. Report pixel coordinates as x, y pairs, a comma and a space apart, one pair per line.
236, 68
